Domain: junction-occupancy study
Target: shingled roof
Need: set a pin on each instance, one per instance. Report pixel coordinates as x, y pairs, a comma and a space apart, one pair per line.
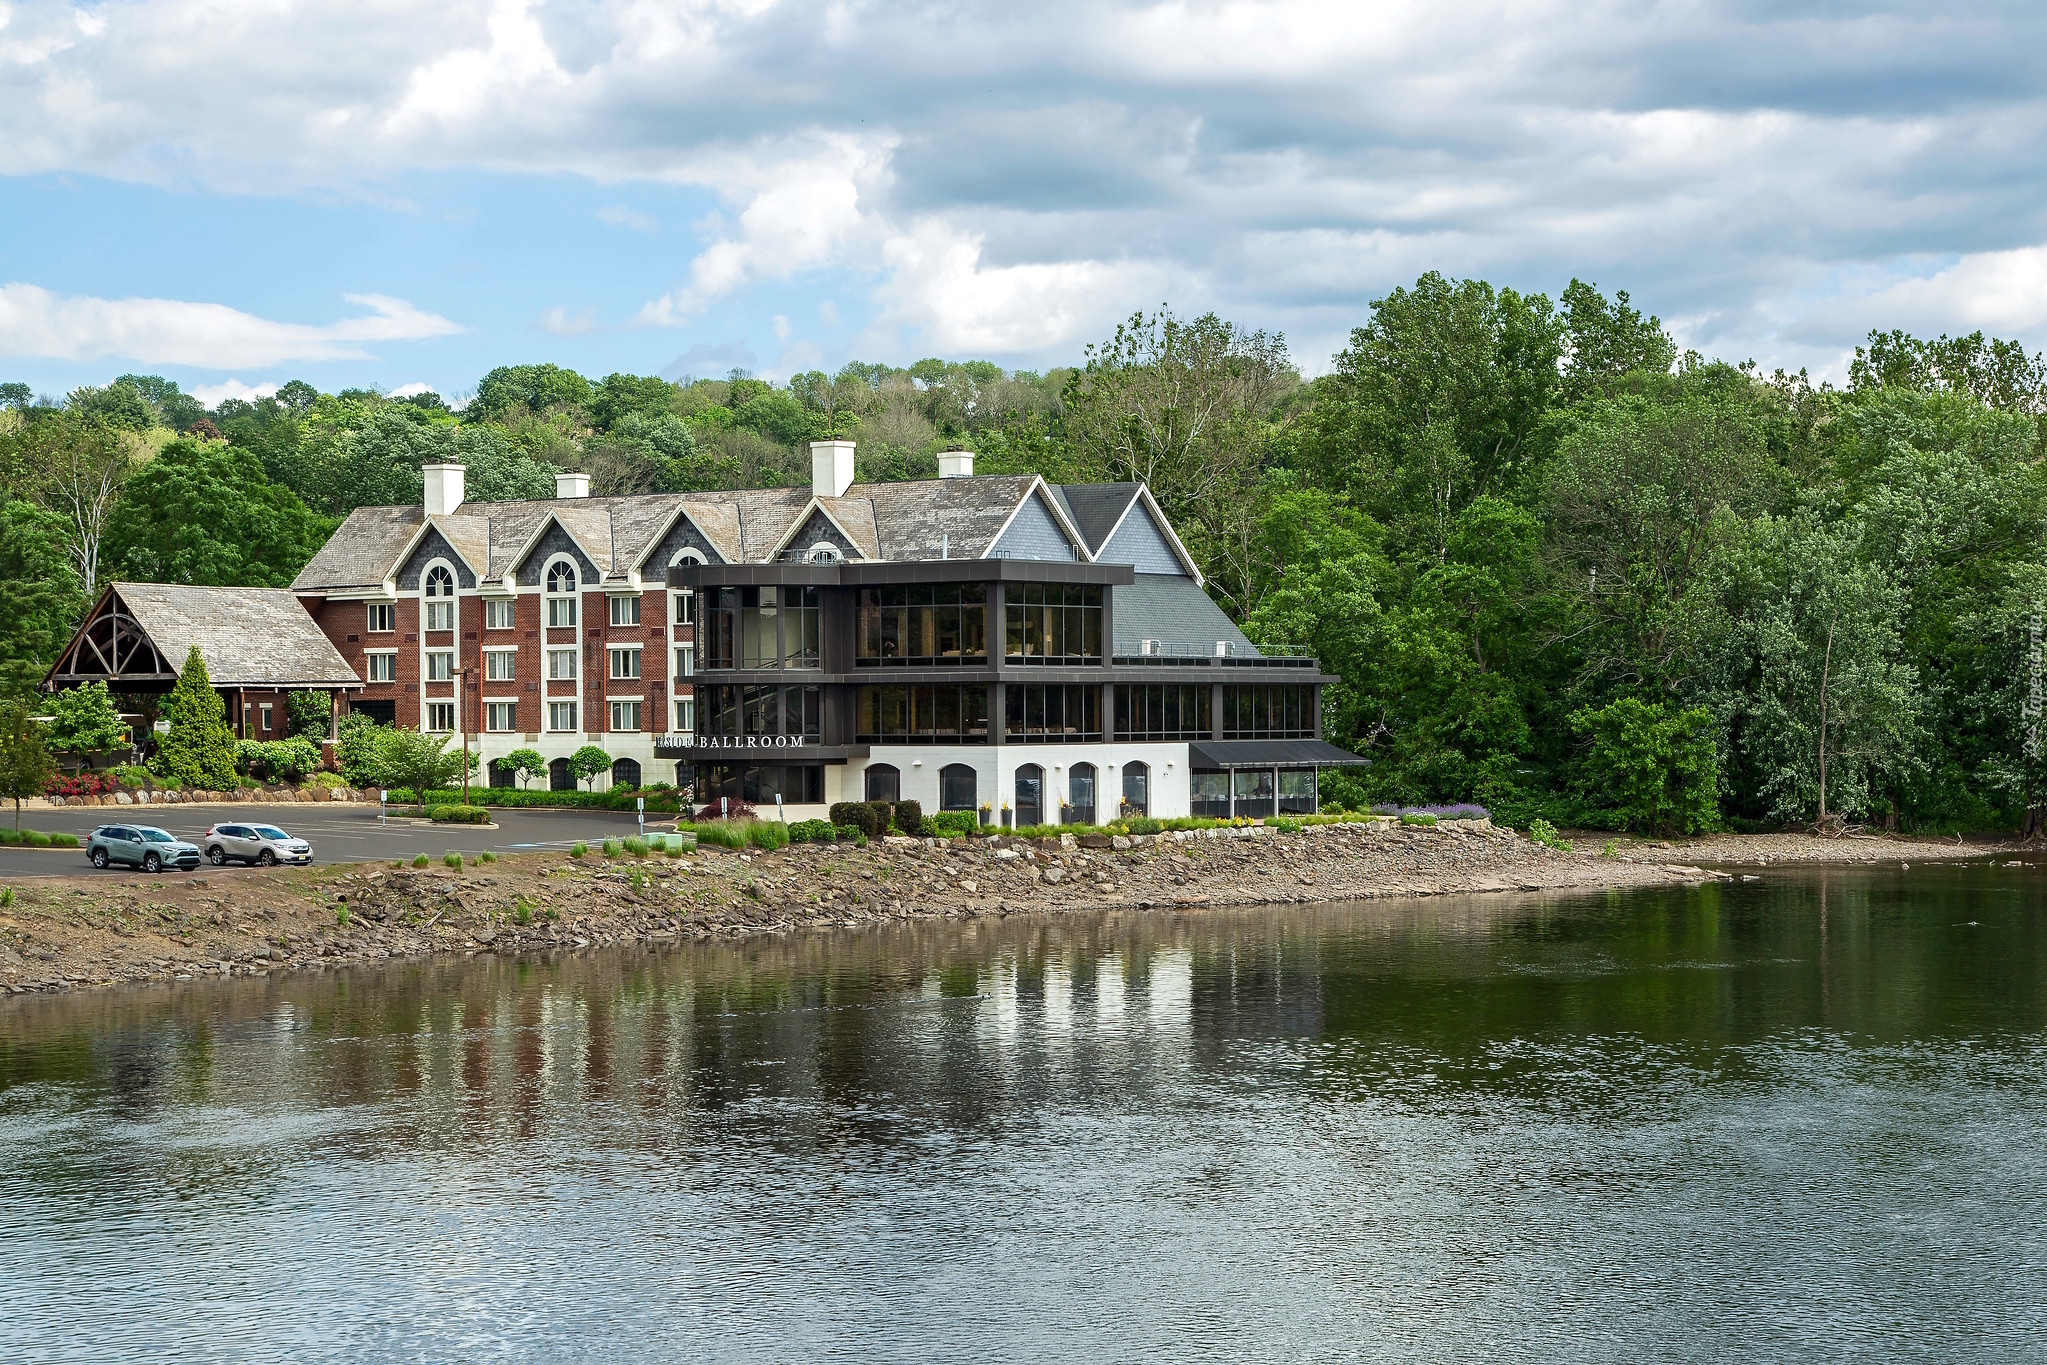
249, 637
913, 519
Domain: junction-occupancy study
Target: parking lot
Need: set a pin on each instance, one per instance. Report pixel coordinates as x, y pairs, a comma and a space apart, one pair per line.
338, 834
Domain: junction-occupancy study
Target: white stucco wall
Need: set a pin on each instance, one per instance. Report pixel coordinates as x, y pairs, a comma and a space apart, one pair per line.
995, 773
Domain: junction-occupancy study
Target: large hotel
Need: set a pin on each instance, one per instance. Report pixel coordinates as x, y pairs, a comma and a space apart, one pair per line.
1043, 653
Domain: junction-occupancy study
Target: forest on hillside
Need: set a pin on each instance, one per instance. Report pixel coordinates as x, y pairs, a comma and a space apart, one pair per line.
1562, 569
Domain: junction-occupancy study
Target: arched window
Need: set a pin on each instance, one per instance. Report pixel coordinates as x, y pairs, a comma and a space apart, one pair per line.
1030, 795
958, 787
625, 772
1136, 789
884, 782
685, 555
1080, 794
439, 590
559, 778
561, 593
824, 552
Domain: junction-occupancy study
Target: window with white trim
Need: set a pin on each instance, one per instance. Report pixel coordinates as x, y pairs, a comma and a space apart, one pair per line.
561, 594
497, 716
440, 665
680, 615
561, 715
500, 665
824, 552
686, 714
625, 661
497, 613
561, 665
685, 661
265, 710
440, 599
383, 616
625, 611
440, 717
625, 715
381, 665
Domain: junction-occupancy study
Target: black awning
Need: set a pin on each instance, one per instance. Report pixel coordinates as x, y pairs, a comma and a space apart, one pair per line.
1223, 754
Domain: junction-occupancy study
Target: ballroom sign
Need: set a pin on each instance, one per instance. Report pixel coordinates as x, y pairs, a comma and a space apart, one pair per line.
706, 744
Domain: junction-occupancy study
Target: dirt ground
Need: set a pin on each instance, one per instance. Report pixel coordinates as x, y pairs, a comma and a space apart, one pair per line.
80, 930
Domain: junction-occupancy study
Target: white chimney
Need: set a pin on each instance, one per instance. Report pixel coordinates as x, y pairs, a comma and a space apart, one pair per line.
571, 484
443, 488
955, 464
831, 468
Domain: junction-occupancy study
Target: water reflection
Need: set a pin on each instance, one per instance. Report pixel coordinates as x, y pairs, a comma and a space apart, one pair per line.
1784, 1118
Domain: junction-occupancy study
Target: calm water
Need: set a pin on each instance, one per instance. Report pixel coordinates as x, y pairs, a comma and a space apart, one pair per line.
1805, 1118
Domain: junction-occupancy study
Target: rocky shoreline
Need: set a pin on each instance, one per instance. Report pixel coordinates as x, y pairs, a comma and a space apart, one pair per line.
86, 930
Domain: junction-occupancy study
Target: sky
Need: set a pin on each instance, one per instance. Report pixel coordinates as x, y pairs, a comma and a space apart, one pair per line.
234, 193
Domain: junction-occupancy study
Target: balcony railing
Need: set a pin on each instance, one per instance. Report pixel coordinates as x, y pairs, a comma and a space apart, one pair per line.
1178, 654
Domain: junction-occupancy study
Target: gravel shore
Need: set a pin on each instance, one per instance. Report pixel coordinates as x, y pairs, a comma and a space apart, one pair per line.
89, 930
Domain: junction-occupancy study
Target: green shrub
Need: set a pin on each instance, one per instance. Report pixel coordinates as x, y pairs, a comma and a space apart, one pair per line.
419, 861
1653, 766
9, 835
869, 817
325, 781
1420, 820
460, 815
35, 838
453, 860
6, 897
61, 840
718, 833
951, 824
341, 916
767, 835
522, 910
130, 775
486, 857
1543, 832
1138, 824
578, 849
611, 848
1612, 849
636, 846
909, 817
813, 832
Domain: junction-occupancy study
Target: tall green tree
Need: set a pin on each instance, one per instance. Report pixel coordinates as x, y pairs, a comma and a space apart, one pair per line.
42, 598
25, 764
199, 749
202, 512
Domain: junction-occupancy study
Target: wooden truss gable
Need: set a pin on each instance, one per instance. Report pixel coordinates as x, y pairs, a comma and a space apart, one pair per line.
113, 648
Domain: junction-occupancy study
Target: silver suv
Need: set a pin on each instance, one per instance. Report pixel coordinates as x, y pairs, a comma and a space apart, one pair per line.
265, 845
142, 846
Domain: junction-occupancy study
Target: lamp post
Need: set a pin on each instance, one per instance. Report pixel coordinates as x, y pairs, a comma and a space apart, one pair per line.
462, 724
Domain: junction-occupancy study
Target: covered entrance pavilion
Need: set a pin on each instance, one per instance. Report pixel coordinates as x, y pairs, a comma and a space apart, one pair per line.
1260, 777
258, 643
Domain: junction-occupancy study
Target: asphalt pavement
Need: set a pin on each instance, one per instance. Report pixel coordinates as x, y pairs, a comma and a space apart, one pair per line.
338, 834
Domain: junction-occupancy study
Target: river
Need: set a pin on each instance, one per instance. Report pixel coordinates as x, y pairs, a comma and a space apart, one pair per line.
1799, 1118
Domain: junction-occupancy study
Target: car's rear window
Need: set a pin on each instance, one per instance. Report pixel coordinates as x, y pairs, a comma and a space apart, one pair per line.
270, 832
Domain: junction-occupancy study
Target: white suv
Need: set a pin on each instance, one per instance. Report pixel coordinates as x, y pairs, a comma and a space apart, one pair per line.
265, 845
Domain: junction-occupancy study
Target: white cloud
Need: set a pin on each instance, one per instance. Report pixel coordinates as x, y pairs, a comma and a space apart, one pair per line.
411, 390
213, 395
207, 336
618, 215
781, 327
563, 322
828, 313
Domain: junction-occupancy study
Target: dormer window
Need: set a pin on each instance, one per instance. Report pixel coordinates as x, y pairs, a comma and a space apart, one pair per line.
824, 552
440, 598
561, 593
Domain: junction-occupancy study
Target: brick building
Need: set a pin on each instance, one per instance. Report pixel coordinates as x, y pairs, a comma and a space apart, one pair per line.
850, 629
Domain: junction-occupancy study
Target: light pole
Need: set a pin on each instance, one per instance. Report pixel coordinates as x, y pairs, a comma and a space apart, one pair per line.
462, 724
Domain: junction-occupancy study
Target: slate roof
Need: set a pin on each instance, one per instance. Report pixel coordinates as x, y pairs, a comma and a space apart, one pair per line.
1096, 508
1177, 613
249, 637
909, 520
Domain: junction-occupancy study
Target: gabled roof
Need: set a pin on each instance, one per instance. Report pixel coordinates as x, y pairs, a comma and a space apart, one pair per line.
249, 637
916, 519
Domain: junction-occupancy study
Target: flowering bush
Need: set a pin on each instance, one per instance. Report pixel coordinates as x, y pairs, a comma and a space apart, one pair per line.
83, 784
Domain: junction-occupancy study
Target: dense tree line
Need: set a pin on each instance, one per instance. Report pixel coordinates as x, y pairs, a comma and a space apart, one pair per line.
1561, 568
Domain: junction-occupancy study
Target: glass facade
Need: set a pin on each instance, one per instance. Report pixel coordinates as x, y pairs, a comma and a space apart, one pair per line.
1164, 711
943, 713
765, 627
1037, 713
760, 711
923, 625
758, 783
1052, 623
1268, 711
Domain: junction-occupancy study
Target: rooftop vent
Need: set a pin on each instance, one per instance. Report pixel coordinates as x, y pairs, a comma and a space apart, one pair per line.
956, 464
831, 468
571, 484
443, 488
1151, 648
